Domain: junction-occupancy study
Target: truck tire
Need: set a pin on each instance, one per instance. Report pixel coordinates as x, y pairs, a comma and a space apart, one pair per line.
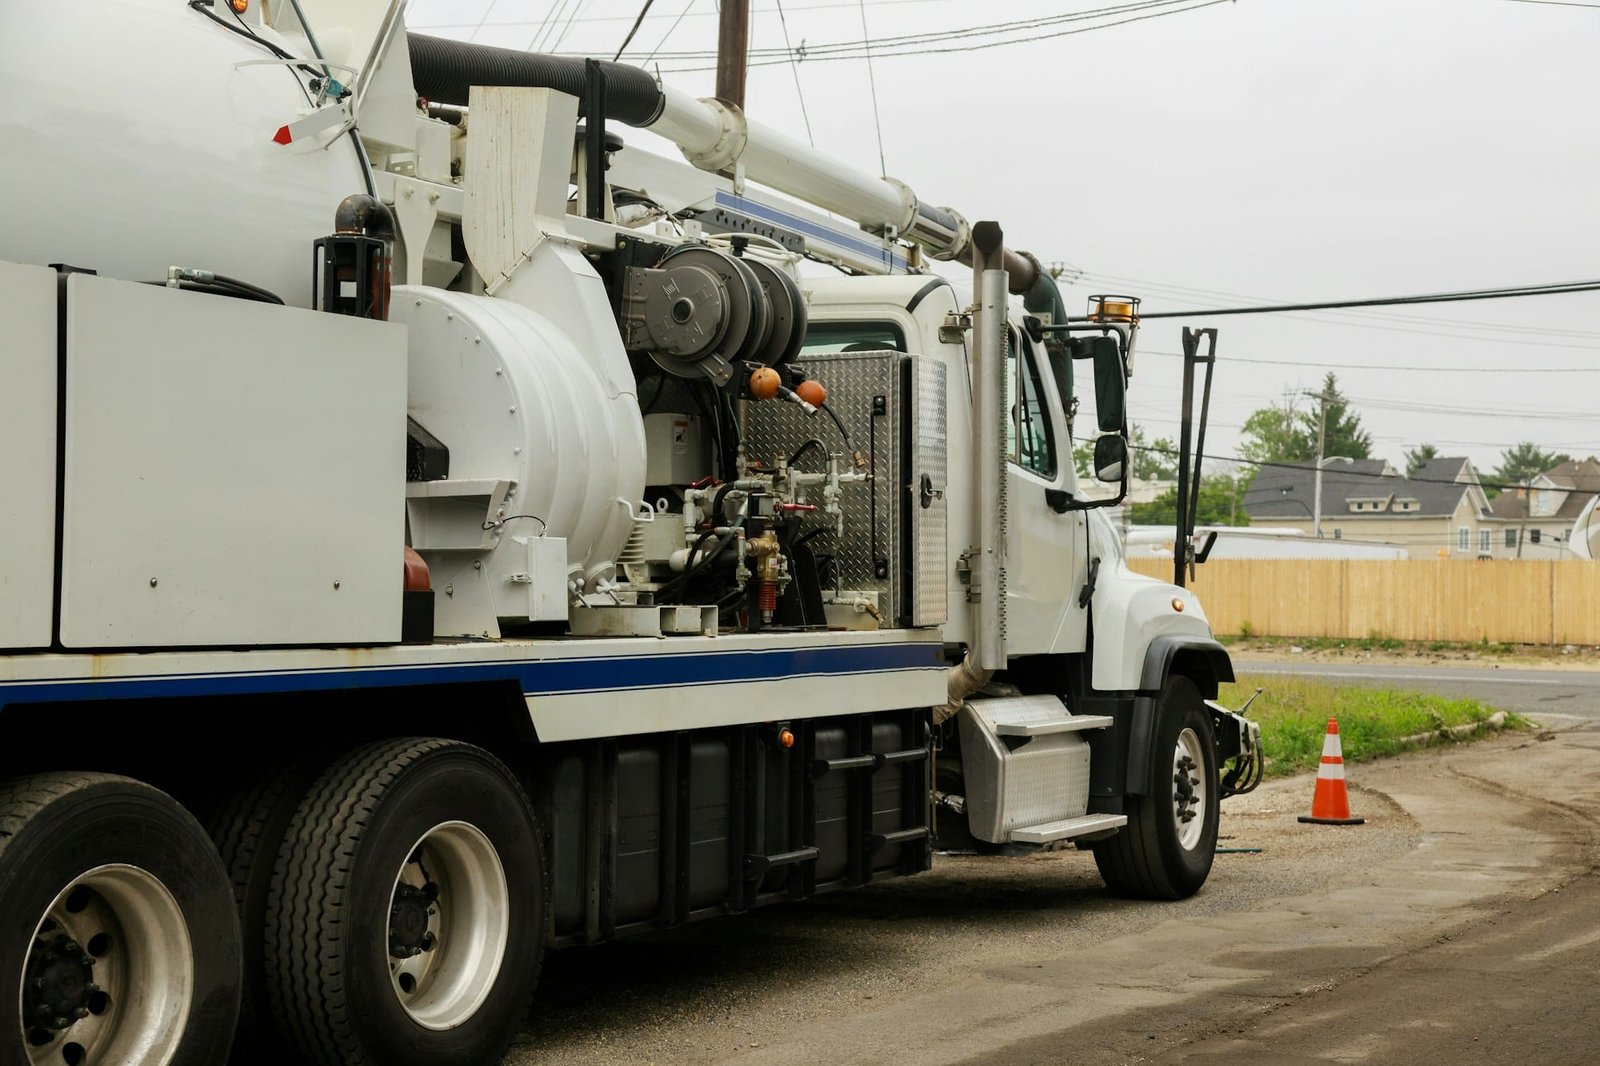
1160, 853
247, 823
405, 925
118, 942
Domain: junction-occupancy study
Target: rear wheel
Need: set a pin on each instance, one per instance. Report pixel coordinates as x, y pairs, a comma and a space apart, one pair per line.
406, 919
117, 936
1166, 849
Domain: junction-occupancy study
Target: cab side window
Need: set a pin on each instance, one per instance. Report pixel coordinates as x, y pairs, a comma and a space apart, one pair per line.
1029, 439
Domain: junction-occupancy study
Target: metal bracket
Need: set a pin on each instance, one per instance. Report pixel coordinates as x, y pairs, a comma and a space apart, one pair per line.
954, 328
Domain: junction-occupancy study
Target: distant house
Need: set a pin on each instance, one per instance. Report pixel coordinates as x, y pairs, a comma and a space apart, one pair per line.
1439, 511
1541, 513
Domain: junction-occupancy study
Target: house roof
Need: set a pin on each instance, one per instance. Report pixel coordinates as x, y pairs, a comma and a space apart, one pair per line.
1286, 491
1580, 479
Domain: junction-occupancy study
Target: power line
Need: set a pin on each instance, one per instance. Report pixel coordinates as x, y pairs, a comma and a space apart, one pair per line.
635, 29
1290, 365
981, 46
794, 68
1554, 3
1356, 317
872, 83
854, 48
1383, 301
670, 28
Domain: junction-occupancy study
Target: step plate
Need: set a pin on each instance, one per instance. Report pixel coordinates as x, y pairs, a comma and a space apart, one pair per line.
1047, 832
1040, 725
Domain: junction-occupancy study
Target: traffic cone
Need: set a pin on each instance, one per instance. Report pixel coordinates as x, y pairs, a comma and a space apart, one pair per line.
1330, 804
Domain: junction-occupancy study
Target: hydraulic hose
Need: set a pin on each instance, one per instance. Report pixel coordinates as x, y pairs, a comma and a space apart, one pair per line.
444, 72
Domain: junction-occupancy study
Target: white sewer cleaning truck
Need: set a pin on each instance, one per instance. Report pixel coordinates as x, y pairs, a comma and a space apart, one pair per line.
434, 532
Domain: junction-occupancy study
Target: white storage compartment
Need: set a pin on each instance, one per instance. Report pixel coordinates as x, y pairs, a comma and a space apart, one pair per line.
235, 472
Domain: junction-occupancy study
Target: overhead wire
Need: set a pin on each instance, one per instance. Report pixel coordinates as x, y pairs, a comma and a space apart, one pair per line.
643, 11
970, 46
670, 28
794, 68
872, 83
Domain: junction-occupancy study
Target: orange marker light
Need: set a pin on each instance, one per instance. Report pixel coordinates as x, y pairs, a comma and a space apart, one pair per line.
1177, 605
239, 6
764, 383
812, 392
785, 739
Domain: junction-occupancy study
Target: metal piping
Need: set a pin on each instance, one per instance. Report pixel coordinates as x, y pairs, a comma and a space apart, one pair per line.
988, 644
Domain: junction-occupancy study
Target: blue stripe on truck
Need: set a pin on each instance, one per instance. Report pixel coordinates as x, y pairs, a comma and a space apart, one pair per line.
547, 677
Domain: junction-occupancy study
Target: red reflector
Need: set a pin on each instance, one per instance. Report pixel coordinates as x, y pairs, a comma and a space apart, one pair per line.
282, 136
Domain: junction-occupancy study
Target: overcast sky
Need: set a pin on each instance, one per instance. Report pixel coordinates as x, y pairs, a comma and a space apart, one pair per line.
1285, 150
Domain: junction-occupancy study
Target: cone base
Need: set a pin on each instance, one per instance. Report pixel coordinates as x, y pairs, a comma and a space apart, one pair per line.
1332, 821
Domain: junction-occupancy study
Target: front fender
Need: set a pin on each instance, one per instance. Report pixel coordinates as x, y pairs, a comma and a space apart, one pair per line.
1202, 660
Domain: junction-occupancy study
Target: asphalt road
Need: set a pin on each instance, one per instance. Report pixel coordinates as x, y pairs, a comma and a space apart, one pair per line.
1529, 692
1461, 923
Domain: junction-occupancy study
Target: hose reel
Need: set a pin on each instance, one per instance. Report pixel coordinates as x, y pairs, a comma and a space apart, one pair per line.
699, 310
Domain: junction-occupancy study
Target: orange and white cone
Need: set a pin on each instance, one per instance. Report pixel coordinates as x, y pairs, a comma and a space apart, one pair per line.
1330, 803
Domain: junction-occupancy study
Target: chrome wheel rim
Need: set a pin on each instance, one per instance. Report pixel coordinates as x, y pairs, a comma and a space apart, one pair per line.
1189, 789
449, 921
110, 974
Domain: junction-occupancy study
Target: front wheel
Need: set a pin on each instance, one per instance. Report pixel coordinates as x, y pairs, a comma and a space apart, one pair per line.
406, 918
1166, 849
118, 942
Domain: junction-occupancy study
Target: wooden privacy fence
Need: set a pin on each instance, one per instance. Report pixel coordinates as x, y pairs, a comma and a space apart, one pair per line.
1522, 601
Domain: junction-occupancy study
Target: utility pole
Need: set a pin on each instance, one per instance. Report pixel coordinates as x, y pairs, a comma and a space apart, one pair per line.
1322, 436
733, 51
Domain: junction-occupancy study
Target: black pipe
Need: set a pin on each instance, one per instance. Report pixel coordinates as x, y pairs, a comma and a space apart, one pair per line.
444, 72
366, 215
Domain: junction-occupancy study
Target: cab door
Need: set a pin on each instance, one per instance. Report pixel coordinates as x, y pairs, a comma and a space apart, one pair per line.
1045, 565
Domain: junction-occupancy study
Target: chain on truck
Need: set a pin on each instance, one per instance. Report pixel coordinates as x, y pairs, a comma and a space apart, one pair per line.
435, 532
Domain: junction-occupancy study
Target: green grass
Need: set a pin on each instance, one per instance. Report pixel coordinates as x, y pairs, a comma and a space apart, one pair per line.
1294, 714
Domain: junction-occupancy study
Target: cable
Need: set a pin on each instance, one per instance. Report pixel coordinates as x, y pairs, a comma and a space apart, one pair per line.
670, 28
205, 8
1557, 289
971, 47
872, 83
794, 68
1411, 369
636, 24
853, 49
497, 523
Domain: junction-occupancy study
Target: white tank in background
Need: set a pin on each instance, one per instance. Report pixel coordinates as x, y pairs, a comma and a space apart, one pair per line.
139, 135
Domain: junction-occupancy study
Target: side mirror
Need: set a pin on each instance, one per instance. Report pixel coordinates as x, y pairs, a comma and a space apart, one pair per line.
1110, 456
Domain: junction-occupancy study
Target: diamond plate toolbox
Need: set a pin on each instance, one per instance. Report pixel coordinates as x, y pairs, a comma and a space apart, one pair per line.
893, 406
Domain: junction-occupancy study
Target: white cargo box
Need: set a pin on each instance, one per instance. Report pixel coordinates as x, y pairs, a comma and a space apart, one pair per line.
234, 472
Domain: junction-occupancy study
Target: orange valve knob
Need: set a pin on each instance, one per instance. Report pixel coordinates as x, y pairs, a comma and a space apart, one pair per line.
812, 392
764, 383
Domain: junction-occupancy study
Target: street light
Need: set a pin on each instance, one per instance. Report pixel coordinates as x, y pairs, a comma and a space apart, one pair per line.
1322, 461
1283, 494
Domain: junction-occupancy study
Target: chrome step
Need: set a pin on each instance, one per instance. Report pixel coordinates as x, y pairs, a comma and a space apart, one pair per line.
1033, 720
1046, 832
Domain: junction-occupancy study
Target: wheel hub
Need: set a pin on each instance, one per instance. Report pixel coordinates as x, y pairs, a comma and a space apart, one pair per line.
409, 915
58, 987
1185, 797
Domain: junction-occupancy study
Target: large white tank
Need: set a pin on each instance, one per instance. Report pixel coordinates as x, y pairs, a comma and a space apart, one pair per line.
138, 135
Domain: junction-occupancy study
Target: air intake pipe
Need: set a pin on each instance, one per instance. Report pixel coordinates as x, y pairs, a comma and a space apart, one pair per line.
445, 71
